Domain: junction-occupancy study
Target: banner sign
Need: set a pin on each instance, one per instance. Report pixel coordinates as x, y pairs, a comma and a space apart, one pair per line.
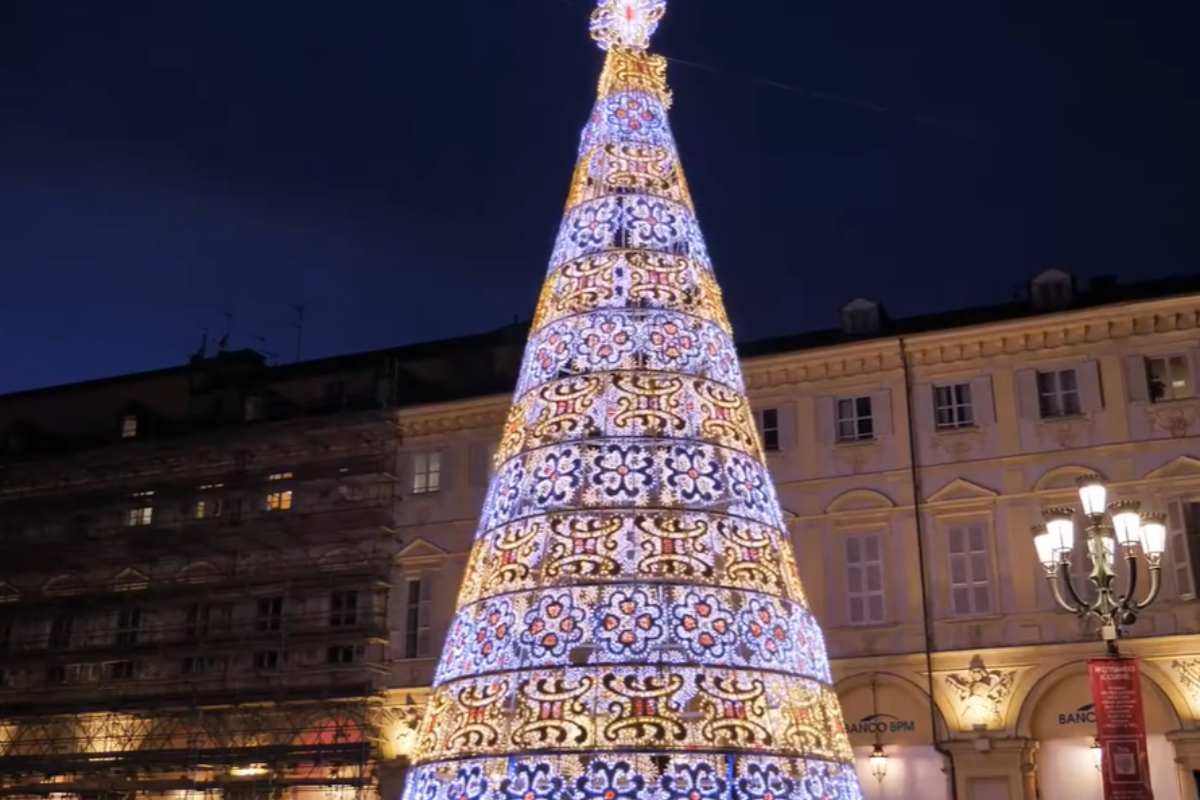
1120, 728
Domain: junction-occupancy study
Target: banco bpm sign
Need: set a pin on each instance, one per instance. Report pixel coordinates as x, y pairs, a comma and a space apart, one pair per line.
882, 723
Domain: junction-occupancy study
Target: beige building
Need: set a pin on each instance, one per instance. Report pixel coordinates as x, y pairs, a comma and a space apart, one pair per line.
944, 436
230, 580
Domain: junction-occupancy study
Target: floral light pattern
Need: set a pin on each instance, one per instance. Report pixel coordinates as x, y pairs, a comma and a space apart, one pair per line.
631, 624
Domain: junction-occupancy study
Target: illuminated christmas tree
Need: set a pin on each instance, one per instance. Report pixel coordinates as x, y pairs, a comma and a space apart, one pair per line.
631, 625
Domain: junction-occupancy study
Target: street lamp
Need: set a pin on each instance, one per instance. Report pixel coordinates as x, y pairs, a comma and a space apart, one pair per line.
1129, 530
879, 761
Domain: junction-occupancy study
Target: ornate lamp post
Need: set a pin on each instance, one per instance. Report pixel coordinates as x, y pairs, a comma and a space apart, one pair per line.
1117, 524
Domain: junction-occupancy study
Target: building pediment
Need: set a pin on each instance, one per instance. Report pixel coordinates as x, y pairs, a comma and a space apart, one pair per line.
421, 548
1181, 467
1063, 478
961, 490
859, 500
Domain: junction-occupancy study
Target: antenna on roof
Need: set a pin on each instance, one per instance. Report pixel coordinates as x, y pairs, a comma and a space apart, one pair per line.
203, 351
299, 326
223, 342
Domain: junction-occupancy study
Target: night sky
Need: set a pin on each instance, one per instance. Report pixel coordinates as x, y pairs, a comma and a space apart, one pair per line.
399, 167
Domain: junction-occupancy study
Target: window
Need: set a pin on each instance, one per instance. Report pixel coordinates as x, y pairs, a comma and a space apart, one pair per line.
204, 620
207, 508
60, 632
1168, 378
269, 615
281, 476
279, 501
266, 660
1183, 545
119, 670
854, 422
952, 407
142, 513
75, 673
427, 473
1058, 393
769, 425
129, 426
343, 609
864, 579
195, 665
129, 625
416, 618
970, 589
340, 654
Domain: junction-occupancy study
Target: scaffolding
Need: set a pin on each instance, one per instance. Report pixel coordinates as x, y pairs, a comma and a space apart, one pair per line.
254, 667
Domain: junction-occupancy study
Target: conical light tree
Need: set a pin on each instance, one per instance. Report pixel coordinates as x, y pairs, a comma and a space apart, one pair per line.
631, 625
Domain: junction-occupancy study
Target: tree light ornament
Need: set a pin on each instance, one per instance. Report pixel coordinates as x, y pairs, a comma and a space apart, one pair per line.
631, 624
627, 23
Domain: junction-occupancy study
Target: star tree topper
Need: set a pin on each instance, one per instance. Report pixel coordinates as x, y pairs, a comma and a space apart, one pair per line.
626, 23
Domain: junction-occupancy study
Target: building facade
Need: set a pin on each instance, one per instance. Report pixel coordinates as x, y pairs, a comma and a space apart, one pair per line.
234, 579
912, 466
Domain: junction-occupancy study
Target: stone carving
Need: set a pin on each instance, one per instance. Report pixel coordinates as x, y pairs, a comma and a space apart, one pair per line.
982, 694
399, 725
1188, 670
958, 445
1175, 421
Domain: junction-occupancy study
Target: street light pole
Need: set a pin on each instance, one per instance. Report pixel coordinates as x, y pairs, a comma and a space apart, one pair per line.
1113, 679
1055, 541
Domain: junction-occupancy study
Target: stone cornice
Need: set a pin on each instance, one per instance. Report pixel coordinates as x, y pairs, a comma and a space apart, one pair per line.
967, 346
978, 343
473, 414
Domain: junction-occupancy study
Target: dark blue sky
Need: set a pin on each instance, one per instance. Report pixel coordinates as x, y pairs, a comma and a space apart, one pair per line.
399, 167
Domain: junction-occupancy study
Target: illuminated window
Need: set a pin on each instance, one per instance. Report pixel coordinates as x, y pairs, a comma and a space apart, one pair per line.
142, 513
864, 579
427, 473
207, 508
343, 609
1058, 393
1168, 378
129, 426
210, 504
281, 476
768, 423
970, 585
854, 420
952, 407
279, 501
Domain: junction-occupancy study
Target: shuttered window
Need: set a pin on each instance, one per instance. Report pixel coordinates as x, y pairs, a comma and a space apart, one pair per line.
864, 579
970, 585
417, 601
1183, 528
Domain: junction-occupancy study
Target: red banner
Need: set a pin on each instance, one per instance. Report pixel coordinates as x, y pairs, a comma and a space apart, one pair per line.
1120, 728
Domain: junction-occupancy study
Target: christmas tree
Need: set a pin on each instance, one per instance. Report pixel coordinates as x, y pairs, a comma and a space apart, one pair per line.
631, 625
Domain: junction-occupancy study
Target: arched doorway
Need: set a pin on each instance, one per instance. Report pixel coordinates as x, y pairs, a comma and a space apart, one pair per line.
889, 709
1059, 714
